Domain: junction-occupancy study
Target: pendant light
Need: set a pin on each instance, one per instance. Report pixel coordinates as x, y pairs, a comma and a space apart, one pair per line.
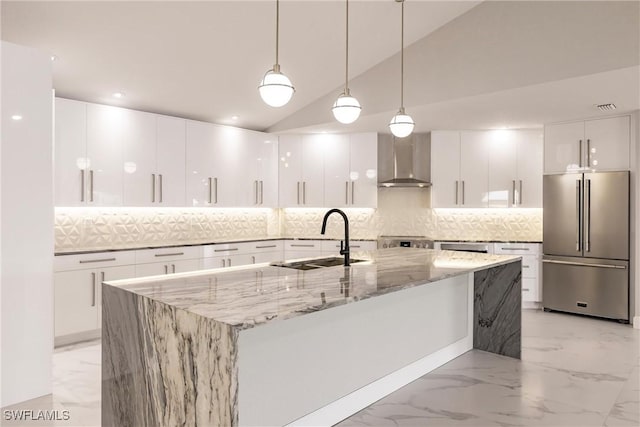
276, 88
346, 109
401, 124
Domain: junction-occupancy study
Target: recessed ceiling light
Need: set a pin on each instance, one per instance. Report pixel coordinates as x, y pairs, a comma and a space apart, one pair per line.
118, 95
16, 117
234, 117
54, 58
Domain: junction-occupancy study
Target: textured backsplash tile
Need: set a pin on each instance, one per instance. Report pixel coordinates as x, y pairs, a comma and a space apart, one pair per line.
400, 212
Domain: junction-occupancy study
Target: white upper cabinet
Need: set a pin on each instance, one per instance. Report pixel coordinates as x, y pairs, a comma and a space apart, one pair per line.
258, 179
337, 183
201, 180
515, 168
363, 172
70, 152
170, 161
138, 137
474, 169
301, 170
445, 169
600, 144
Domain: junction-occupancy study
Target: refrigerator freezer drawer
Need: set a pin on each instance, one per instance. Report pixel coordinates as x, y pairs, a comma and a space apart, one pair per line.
596, 287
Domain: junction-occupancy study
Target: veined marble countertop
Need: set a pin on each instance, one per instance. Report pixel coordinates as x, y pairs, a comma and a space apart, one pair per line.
246, 296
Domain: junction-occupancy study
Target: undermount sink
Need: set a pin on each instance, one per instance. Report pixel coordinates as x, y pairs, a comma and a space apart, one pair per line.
315, 263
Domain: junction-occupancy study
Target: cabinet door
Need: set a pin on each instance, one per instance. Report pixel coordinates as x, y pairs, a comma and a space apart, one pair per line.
474, 169
337, 182
75, 301
106, 131
170, 155
445, 169
364, 170
229, 170
258, 258
529, 165
200, 154
268, 171
70, 152
290, 151
138, 132
502, 167
184, 265
313, 170
152, 269
608, 143
562, 147
112, 273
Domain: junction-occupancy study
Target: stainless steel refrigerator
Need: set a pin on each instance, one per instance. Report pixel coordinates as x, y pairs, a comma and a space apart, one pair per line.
586, 244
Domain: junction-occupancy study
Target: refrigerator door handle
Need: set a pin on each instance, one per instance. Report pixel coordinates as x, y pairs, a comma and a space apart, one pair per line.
578, 215
584, 264
587, 216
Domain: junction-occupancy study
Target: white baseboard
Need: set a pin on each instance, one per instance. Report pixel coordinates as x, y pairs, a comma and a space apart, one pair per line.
636, 322
350, 404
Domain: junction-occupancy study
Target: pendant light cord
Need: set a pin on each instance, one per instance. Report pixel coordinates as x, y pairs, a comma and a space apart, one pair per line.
277, 27
346, 71
402, 58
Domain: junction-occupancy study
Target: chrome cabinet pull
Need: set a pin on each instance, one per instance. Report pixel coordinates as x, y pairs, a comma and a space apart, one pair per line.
588, 153
225, 250
261, 192
463, 192
87, 261
210, 190
578, 215
520, 194
82, 185
224, 262
253, 259
353, 192
513, 189
153, 188
229, 261
171, 254
346, 192
91, 185
298, 192
93, 289
514, 249
456, 192
580, 153
266, 246
173, 268
166, 269
255, 187
587, 216
304, 192
215, 184
302, 246
160, 186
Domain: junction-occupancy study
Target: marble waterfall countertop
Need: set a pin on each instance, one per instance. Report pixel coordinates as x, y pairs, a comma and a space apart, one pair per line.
246, 296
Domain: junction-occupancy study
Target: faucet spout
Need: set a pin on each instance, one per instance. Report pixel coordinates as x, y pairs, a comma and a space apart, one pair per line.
344, 245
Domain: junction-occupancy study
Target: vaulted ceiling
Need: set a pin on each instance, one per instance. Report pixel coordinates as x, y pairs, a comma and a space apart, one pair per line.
468, 64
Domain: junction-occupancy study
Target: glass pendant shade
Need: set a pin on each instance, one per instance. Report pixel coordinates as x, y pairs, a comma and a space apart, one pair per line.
401, 125
275, 88
346, 109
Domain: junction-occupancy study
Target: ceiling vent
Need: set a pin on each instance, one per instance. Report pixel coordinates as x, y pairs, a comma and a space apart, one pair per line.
606, 107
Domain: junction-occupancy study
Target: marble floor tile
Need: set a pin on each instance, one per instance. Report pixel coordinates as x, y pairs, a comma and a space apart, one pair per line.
626, 409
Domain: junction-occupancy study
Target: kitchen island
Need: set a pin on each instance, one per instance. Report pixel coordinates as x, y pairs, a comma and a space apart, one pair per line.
269, 345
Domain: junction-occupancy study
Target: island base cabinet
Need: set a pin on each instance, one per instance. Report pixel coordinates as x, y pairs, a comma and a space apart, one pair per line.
77, 301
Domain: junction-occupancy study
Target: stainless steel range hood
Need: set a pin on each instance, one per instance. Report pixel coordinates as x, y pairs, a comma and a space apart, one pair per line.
404, 162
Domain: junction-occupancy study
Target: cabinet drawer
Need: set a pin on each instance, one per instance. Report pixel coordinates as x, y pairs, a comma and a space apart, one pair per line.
93, 260
530, 267
226, 249
303, 245
266, 246
331, 246
517, 248
167, 254
530, 290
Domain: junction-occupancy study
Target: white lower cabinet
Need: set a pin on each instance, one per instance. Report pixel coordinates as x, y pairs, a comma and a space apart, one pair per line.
294, 249
332, 247
178, 259
243, 253
78, 289
531, 260
169, 267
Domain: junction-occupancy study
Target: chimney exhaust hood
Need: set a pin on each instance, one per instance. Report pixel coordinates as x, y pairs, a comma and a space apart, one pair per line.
404, 162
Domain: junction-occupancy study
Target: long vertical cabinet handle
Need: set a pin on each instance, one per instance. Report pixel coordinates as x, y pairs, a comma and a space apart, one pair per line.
91, 185
215, 184
304, 192
588, 156
520, 194
166, 269
101, 282
82, 185
173, 268
587, 216
513, 192
153, 188
298, 192
160, 187
456, 192
346, 192
93, 289
353, 192
255, 187
210, 190
463, 192
578, 215
229, 262
580, 153
261, 192
224, 262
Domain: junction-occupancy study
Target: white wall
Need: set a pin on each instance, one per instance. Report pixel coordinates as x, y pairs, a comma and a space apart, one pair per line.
26, 225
